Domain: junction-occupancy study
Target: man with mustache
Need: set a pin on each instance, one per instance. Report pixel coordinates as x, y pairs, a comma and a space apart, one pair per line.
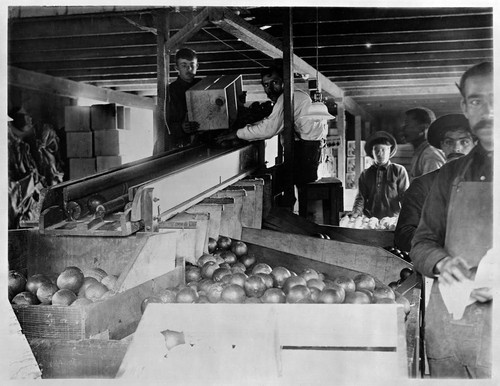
454, 234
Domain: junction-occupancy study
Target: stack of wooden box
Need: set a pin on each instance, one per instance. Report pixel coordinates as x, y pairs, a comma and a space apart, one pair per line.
97, 138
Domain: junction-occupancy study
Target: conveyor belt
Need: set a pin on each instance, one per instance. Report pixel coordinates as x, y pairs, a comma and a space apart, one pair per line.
120, 201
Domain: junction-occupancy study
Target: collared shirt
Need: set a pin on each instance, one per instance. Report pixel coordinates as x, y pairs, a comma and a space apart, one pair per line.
411, 209
428, 241
426, 159
381, 189
307, 130
176, 107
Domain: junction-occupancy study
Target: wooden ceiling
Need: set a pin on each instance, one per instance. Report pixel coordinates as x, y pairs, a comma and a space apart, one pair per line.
386, 59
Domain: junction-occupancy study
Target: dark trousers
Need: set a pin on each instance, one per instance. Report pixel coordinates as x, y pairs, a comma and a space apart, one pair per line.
306, 159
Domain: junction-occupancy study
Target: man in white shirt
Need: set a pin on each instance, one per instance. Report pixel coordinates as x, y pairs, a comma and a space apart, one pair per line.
309, 134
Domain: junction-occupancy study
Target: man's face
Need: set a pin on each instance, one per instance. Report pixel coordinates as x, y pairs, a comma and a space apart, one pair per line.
477, 106
187, 69
457, 141
412, 129
273, 86
381, 153
23, 121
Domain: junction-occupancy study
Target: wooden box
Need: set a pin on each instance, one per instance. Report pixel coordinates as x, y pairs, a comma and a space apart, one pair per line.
77, 118
79, 144
144, 263
213, 102
269, 344
103, 117
81, 167
112, 142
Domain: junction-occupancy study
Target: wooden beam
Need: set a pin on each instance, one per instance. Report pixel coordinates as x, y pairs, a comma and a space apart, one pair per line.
162, 60
191, 28
271, 46
67, 88
412, 91
289, 111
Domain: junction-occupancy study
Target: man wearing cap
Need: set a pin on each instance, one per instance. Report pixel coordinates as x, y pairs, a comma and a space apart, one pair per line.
451, 134
454, 234
426, 158
382, 185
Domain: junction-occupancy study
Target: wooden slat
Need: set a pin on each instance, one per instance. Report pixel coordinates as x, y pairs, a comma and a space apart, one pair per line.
92, 358
45, 83
374, 260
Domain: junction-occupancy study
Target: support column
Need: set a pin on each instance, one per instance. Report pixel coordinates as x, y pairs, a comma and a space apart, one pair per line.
288, 131
162, 64
357, 138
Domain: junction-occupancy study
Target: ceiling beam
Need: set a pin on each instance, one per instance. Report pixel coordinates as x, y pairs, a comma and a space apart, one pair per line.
190, 29
273, 47
70, 89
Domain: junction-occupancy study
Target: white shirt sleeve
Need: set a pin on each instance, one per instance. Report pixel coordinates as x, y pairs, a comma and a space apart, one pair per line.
267, 128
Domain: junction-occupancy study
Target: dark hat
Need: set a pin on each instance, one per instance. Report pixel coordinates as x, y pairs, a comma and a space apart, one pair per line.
17, 110
443, 124
376, 137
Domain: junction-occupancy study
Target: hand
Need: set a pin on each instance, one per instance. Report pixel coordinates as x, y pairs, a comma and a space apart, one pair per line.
453, 270
482, 295
226, 137
190, 126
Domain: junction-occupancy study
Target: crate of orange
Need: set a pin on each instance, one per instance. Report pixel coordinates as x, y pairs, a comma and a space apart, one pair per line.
363, 317
78, 287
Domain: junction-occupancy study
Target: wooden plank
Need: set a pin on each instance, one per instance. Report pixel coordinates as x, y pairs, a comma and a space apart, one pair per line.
325, 344
35, 253
373, 260
92, 358
189, 29
214, 210
231, 223
258, 184
192, 234
156, 257
121, 313
375, 238
286, 221
67, 88
249, 202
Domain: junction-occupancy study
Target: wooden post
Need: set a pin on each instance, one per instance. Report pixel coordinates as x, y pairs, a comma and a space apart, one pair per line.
357, 138
288, 133
162, 63
341, 126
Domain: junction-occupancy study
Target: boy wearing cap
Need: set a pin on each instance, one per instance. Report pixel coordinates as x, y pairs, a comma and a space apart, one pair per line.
451, 134
382, 185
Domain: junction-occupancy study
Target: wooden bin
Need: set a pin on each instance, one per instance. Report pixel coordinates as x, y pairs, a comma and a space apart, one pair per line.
285, 343
144, 262
269, 344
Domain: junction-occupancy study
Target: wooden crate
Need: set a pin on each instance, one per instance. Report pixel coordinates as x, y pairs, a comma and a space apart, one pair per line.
269, 344
103, 117
145, 264
77, 118
113, 142
213, 102
79, 144
81, 167
89, 358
